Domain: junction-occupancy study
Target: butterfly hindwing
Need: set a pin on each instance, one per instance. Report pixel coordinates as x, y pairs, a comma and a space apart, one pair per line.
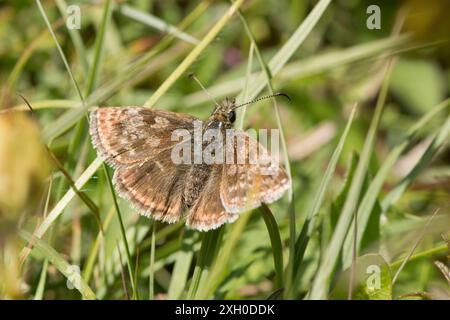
154, 188
208, 212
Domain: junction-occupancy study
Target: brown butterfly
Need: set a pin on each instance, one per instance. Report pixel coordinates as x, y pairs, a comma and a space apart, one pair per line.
138, 143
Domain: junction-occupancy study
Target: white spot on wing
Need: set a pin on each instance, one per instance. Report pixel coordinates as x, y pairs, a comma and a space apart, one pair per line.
160, 122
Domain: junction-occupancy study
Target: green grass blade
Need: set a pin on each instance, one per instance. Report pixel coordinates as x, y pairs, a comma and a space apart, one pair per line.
267, 74
272, 68
50, 104
413, 248
441, 138
371, 195
305, 68
39, 294
426, 253
62, 265
93, 253
208, 250
99, 44
151, 278
76, 38
289, 48
43, 277
321, 282
282, 56
123, 233
312, 213
243, 110
291, 210
127, 77
275, 240
181, 267
60, 206
193, 55
58, 46
84, 197
157, 23
218, 269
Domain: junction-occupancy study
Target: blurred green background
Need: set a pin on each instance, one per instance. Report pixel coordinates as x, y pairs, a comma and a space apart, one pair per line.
321, 53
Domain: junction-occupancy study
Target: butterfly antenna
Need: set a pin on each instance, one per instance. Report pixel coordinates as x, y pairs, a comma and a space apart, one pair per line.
278, 94
193, 77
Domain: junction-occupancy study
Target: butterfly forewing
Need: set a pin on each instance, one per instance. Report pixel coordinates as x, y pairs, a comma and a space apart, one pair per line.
128, 135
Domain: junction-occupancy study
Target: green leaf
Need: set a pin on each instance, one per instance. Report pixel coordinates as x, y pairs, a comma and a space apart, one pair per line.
372, 280
419, 84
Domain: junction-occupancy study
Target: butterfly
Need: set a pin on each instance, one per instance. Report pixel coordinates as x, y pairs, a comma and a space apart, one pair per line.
137, 142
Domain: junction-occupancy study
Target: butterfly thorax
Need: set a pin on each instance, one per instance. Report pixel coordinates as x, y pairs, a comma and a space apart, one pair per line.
221, 118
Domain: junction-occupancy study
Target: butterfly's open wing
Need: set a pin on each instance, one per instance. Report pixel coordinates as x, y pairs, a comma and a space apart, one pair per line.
208, 212
252, 178
154, 188
137, 142
126, 136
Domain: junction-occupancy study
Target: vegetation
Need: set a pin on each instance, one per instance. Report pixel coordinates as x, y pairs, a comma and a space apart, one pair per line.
365, 138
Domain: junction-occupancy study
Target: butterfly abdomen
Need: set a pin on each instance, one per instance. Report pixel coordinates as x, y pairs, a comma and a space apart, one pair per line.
196, 179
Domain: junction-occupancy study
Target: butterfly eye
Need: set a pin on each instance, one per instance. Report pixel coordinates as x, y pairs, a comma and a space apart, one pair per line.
232, 116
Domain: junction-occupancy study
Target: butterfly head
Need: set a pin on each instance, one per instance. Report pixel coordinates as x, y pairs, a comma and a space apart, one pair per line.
224, 112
